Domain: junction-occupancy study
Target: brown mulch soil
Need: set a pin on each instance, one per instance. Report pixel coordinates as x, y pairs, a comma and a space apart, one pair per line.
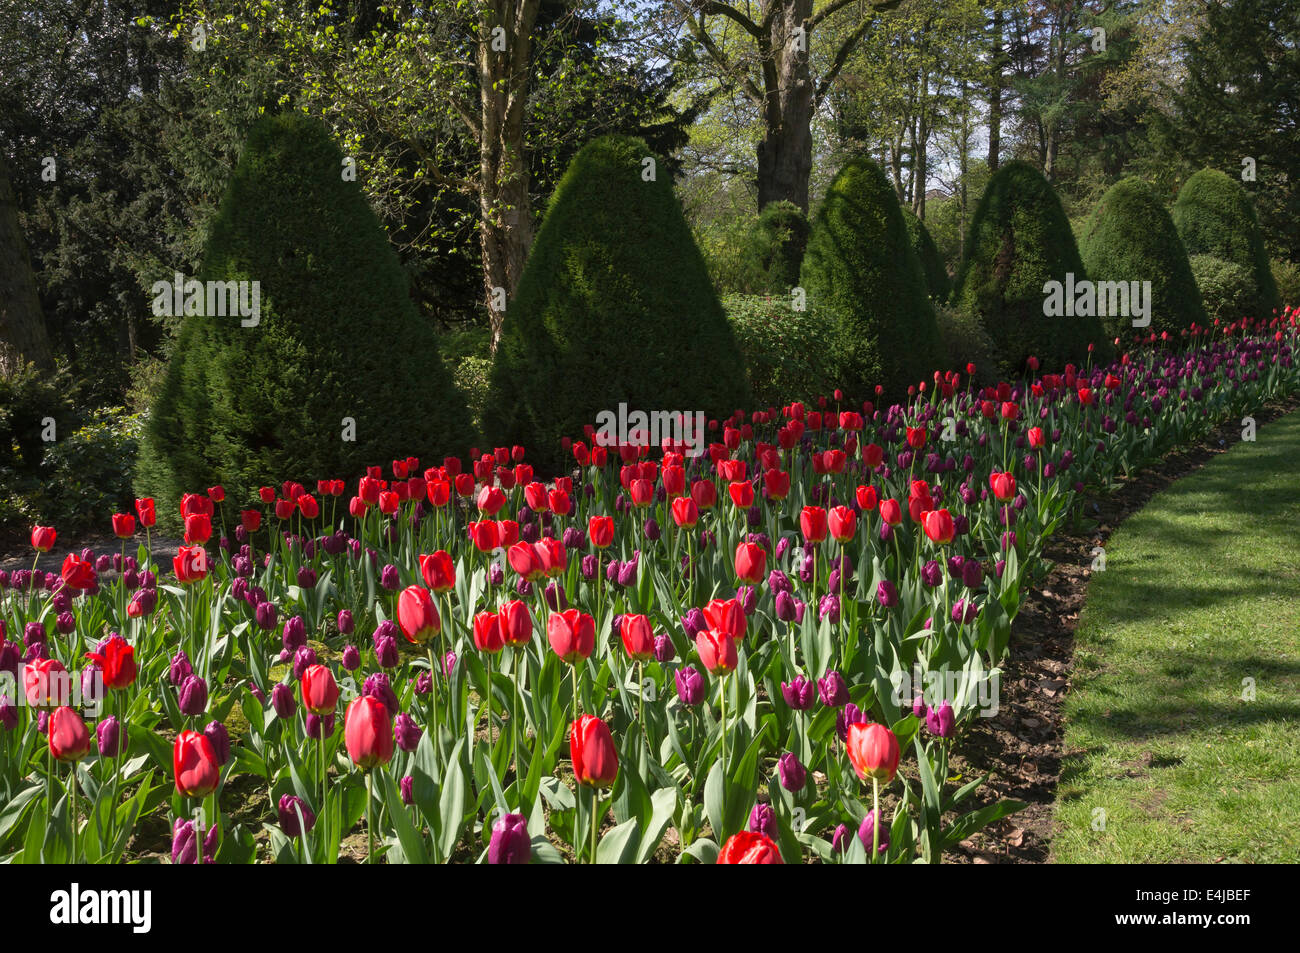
1023, 746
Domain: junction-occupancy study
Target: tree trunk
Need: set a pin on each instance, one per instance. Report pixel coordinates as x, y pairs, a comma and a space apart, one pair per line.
505, 210
22, 326
995, 93
785, 151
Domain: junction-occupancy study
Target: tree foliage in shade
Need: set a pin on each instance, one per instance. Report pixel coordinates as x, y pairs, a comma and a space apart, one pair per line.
338, 338
1020, 239
861, 272
614, 305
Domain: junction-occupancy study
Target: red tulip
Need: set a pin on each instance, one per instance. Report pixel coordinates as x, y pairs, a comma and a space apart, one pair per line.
742, 494
251, 520
1010, 410
843, 523
938, 526
388, 502
873, 749
490, 500
487, 633
320, 693
704, 493
751, 563
1003, 486
118, 662
726, 615
717, 651
46, 683
591, 748
600, 530
674, 480
776, 484
916, 437
123, 525
891, 512
535, 497
1035, 437
685, 513
190, 564
418, 615
516, 623
438, 571
438, 493
144, 508
638, 636
485, 535
749, 847
866, 498
195, 765
267, 495
308, 506
217, 494
198, 529
507, 533
285, 509
69, 739
559, 502
873, 455
368, 732
527, 561
78, 574
572, 635
812, 521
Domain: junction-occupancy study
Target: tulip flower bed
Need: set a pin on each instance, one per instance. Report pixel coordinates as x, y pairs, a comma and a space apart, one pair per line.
767, 653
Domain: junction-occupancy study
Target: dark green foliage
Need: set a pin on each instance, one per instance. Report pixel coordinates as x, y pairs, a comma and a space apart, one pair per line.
1286, 275
1019, 240
614, 304
937, 281
1228, 289
776, 246
338, 338
787, 352
860, 271
966, 342
1215, 217
1130, 237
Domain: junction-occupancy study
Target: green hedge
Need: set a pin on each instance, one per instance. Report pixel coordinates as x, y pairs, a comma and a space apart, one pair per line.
338, 337
1227, 289
1020, 239
614, 305
1130, 237
789, 354
861, 273
936, 275
1216, 217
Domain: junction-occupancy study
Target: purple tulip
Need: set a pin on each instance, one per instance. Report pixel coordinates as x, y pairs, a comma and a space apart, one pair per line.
762, 820
510, 843
193, 698
940, 721
283, 700
792, 772
111, 735
799, 693
351, 658
832, 689
407, 732
289, 808
886, 594
690, 686
867, 833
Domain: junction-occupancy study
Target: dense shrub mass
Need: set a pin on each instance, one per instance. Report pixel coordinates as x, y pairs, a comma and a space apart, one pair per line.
615, 305
860, 271
965, 342
789, 354
1020, 239
1216, 217
1286, 276
776, 247
1130, 237
1227, 289
338, 337
937, 281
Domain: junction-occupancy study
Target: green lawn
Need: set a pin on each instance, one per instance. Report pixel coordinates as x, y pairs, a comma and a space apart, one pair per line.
1201, 592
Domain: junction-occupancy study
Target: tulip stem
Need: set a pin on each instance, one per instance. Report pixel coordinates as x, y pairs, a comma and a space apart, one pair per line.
370, 828
722, 690
595, 821
433, 687
875, 825
72, 780
487, 664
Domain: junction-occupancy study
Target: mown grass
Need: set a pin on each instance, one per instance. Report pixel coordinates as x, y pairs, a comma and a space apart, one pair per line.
1201, 593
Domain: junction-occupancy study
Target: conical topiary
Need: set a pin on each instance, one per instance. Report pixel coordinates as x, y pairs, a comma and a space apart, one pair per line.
776, 247
614, 306
339, 371
861, 272
1214, 216
1020, 240
937, 281
1129, 237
